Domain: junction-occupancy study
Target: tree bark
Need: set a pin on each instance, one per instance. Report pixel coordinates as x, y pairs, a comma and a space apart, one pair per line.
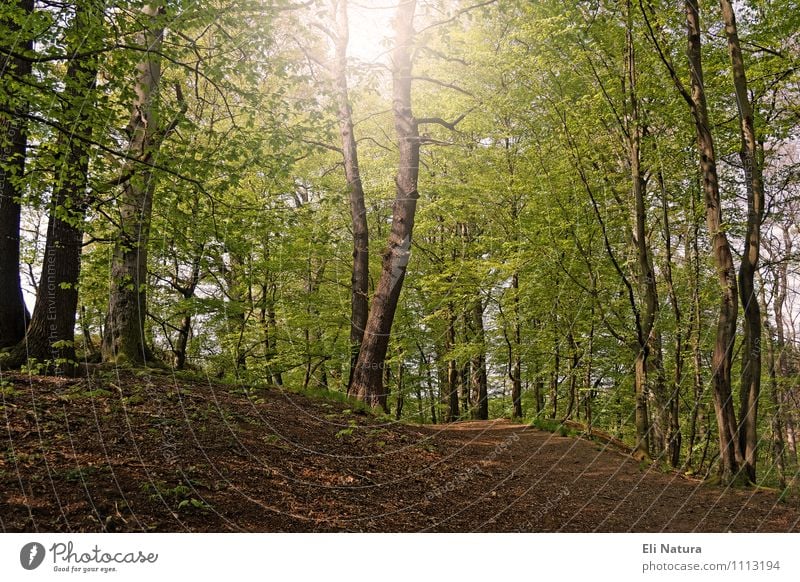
753, 170
452, 371
674, 436
554, 380
14, 315
367, 379
730, 451
51, 332
693, 251
124, 338
647, 283
515, 366
359, 282
480, 388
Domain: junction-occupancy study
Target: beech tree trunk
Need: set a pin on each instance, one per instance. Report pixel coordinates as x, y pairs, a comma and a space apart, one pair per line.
479, 381
359, 283
515, 366
646, 315
693, 251
674, 435
367, 381
51, 332
452, 371
554, 380
730, 452
124, 339
753, 171
13, 146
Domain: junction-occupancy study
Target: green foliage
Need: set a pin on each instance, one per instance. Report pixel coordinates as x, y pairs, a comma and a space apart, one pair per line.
524, 215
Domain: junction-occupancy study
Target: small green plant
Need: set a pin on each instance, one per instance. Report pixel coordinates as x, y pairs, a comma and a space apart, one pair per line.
7, 389
352, 426
195, 503
180, 494
33, 367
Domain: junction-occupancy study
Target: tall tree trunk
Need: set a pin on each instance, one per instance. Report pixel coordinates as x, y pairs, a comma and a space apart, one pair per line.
367, 378
516, 363
674, 437
13, 149
400, 388
124, 339
554, 381
573, 376
777, 422
480, 388
645, 316
425, 364
452, 371
185, 326
587, 377
538, 393
51, 333
753, 170
359, 282
731, 457
695, 325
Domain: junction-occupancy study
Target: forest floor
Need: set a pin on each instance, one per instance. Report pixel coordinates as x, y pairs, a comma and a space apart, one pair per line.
146, 451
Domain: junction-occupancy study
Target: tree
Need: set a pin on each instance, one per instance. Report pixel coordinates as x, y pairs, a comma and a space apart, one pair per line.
359, 300
124, 339
367, 382
751, 157
51, 332
730, 452
13, 145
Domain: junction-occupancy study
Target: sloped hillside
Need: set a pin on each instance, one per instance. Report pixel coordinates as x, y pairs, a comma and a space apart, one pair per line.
148, 451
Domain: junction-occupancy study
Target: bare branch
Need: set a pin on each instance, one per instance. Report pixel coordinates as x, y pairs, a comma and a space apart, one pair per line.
443, 84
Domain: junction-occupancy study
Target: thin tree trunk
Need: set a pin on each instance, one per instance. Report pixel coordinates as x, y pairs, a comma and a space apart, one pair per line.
674, 436
400, 394
479, 376
554, 381
692, 251
645, 316
749, 154
516, 365
731, 457
367, 378
452, 372
14, 315
587, 382
573, 378
359, 283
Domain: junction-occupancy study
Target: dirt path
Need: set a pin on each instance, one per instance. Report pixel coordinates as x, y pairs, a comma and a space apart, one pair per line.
147, 452
544, 482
